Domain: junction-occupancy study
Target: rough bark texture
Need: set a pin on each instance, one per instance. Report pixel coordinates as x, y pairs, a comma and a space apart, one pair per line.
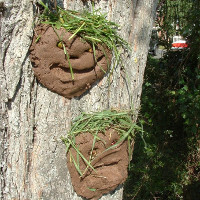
32, 118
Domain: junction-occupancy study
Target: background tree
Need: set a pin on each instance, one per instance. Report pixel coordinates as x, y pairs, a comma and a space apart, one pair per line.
166, 160
172, 18
33, 160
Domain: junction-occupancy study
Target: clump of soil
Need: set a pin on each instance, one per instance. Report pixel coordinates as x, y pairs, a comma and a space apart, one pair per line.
51, 66
110, 166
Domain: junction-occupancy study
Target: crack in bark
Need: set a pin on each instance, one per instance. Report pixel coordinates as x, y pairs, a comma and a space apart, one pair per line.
3, 148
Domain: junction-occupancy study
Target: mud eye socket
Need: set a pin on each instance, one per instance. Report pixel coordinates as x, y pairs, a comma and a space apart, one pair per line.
93, 153
60, 45
113, 142
90, 50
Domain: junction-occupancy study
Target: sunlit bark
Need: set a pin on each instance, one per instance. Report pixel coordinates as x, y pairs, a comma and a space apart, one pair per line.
32, 118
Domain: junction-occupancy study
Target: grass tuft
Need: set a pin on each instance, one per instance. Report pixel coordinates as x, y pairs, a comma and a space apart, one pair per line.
93, 28
97, 122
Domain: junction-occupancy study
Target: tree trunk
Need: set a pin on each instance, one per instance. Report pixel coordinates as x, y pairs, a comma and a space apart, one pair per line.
33, 119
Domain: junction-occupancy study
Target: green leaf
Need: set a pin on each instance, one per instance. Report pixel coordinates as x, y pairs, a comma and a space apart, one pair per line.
58, 25
92, 189
37, 39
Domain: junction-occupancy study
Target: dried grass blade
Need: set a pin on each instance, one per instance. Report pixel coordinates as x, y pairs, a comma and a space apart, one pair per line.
75, 164
81, 155
70, 66
77, 31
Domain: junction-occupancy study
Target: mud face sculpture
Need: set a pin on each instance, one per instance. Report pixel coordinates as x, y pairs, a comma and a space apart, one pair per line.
51, 66
110, 166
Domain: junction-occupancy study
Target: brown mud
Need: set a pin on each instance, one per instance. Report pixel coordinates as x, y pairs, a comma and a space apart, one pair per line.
51, 66
110, 166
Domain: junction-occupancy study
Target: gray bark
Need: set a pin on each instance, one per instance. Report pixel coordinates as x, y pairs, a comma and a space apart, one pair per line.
32, 118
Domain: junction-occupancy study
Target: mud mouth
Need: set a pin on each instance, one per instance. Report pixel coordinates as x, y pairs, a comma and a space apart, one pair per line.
110, 166
51, 66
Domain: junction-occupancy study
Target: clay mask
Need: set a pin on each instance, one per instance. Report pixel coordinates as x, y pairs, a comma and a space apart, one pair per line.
51, 66
110, 166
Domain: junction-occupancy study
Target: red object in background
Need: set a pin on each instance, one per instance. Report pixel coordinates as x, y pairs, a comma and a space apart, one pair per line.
179, 44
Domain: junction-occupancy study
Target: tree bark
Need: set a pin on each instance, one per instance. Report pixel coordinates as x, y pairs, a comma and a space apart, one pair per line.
33, 119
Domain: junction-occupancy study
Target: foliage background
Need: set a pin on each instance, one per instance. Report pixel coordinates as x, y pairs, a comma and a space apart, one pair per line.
166, 159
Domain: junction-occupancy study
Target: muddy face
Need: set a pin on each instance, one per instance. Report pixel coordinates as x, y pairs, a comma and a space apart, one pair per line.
110, 166
51, 66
